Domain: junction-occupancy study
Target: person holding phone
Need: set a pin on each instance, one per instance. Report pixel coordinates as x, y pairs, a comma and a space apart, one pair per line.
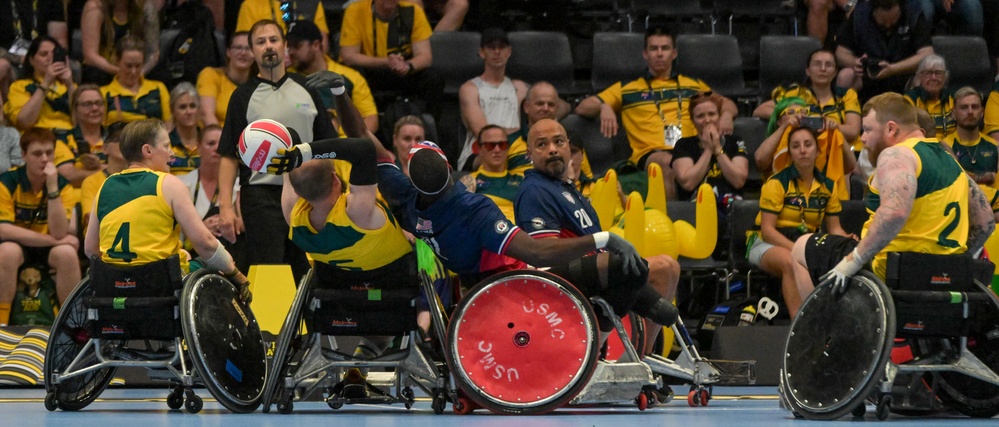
835, 160
42, 98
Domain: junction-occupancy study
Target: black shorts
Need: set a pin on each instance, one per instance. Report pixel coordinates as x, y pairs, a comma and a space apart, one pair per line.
645, 158
36, 255
824, 251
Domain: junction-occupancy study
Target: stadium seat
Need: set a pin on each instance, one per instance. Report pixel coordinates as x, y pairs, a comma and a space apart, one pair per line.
752, 131
761, 10
601, 152
687, 15
853, 216
76, 46
714, 59
783, 60
543, 55
741, 219
967, 60
457, 58
617, 57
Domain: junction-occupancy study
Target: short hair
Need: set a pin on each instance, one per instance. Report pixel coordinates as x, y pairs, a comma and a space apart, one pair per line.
74, 100
429, 172
884, 4
313, 180
408, 120
487, 128
36, 135
184, 88
891, 106
968, 91
139, 133
704, 97
113, 132
658, 30
926, 123
263, 23
933, 60
128, 43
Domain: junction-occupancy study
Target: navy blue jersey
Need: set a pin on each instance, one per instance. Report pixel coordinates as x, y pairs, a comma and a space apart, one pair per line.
547, 207
466, 230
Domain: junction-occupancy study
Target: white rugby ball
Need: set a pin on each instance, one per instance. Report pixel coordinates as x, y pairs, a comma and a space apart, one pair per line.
259, 142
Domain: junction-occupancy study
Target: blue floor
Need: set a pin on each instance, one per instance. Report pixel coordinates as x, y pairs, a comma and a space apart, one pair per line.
731, 407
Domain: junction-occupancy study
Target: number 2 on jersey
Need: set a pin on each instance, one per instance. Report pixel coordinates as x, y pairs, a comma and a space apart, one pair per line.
121, 238
942, 239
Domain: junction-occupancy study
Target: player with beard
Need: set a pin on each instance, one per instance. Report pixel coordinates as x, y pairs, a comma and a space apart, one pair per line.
292, 100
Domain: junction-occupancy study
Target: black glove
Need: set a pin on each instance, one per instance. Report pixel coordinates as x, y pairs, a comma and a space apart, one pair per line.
633, 263
286, 160
242, 285
325, 80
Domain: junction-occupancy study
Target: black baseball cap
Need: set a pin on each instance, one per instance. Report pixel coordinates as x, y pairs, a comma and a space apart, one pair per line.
303, 30
490, 35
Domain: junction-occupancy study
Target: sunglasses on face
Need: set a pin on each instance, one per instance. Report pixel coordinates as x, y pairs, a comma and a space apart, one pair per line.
700, 95
490, 146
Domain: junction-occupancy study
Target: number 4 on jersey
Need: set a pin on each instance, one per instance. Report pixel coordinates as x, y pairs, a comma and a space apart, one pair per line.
121, 238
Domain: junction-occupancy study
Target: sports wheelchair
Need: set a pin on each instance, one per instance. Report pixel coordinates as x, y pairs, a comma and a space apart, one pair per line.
185, 330
331, 303
527, 342
926, 342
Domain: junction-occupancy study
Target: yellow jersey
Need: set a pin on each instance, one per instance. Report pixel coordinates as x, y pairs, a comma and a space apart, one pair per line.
152, 101
26, 208
136, 223
251, 11
940, 109
992, 110
55, 112
784, 195
214, 83
358, 20
938, 223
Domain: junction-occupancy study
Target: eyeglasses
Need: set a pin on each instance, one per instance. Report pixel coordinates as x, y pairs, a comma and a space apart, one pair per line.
490, 146
795, 111
935, 73
91, 104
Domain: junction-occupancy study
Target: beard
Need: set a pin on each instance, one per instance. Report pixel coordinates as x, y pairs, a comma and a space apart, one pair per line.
271, 59
554, 167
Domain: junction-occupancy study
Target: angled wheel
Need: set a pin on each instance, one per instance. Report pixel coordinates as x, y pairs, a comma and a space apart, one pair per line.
68, 337
51, 403
226, 346
194, 404
838, 347
522, 342
291, 329
175, 400
967, 395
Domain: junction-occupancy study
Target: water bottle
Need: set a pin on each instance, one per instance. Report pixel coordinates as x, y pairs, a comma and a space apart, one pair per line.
748, 316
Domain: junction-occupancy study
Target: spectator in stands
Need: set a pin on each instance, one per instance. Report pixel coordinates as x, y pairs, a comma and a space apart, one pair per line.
493, 178
203, 185
42, 98
78, 152
881, 45
407, 132
307, 57
542, 102
835, 160
710, 157
284, 13
491, 98
10, 148
992, 112
963, 16
215, 85
652, 107
115, 163
185, 138
975, 151
449, 14
817, 21
931, 94
824, 98
130, 96
36, 220
399, 64
104, 23
34, 19
797, 200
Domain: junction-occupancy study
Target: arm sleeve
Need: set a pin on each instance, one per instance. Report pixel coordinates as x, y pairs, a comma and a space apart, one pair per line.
534, 213
833, 206
772, 196
397, 190
63, 154
421, 27
851, 104
734, 146
351, 32
358, 151
685, 148
612, 96
17, 96
235, 122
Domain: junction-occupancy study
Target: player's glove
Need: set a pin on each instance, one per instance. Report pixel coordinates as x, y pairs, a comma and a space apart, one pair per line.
840, 275
242, 285
288, 159
633, 263
326, 80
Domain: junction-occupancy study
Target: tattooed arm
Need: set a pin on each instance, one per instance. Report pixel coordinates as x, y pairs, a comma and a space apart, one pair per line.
895, 178
981, 220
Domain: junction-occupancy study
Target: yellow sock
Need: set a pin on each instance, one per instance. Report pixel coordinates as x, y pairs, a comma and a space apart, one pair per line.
4, 313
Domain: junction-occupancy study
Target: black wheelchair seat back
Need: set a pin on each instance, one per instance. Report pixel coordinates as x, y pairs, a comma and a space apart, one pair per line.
136, 302
375, 302
928, 288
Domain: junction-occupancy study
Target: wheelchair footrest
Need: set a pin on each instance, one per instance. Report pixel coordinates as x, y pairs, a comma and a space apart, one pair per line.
615, 382
729, 372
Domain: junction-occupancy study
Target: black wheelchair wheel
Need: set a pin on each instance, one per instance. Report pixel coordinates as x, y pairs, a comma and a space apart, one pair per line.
967, 395
523, 342
68, 337
226, 347
291, 329
838, 347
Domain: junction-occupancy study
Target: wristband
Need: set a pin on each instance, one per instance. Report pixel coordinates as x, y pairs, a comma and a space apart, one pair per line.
601, 238
339, 90
719, 152
53, 195
856, 255
306, 150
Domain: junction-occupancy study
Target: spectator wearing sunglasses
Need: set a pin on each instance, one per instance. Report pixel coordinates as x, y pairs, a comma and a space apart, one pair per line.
493, 178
